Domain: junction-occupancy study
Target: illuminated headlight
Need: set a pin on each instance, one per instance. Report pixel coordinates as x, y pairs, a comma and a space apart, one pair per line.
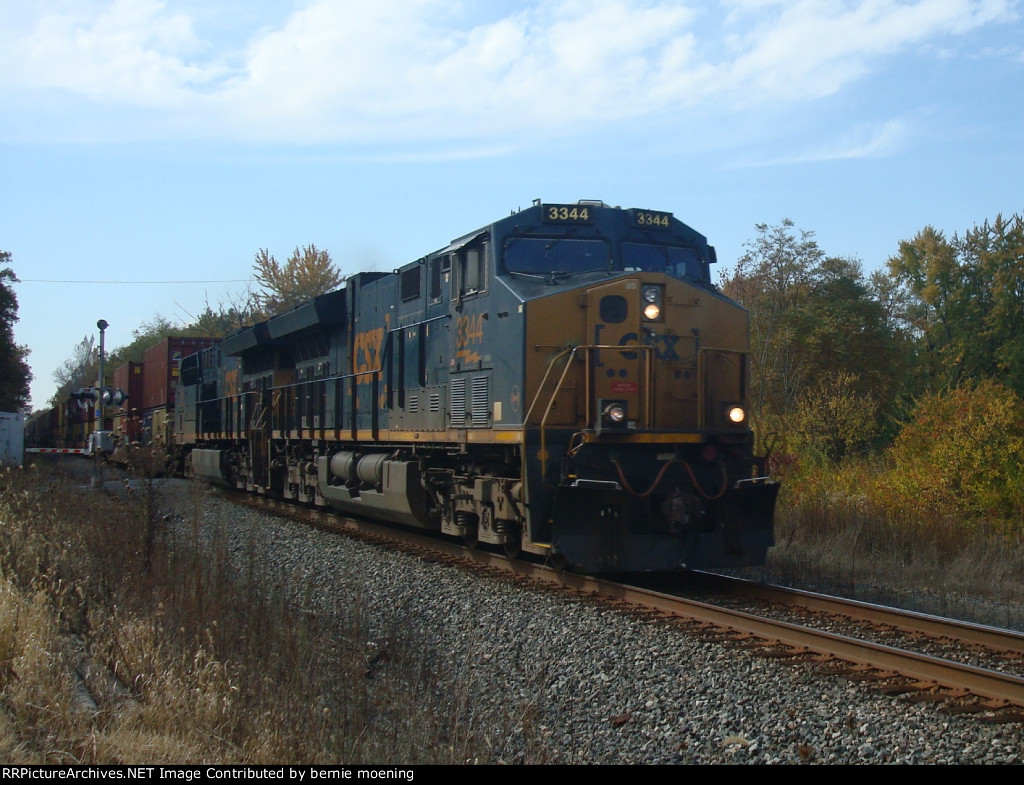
652, 298
736, 414
615, 413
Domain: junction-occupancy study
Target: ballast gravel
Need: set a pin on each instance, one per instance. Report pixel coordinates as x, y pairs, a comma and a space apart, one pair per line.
556, 679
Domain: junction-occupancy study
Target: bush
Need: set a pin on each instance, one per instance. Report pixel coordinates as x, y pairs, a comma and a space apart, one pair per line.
962, 453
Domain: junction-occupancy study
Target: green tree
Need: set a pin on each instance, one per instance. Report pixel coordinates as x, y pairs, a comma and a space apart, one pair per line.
225, 319
307, 274
993, 255
15, 375
79, 370
963, 301
932, 282
147, 335
849, 335
774, 281
820, 333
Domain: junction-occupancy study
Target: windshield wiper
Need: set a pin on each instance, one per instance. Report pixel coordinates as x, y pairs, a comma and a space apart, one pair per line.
555, 275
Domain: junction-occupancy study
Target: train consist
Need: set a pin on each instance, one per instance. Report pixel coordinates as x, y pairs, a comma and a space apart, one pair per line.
564, 382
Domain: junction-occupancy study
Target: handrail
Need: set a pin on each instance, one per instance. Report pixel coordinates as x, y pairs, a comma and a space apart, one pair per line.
571, 352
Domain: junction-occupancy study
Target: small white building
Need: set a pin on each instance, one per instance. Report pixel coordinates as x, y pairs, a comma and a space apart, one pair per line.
12, 438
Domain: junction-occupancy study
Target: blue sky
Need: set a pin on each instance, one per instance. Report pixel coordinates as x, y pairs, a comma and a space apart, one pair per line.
155, 147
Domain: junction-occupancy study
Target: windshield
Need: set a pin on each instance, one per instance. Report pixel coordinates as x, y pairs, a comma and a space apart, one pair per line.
672, 259
558, 255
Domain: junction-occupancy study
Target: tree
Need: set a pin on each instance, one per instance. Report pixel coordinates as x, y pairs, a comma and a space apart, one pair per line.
239, 312
994, 257
306, 274
849, 334
15, 374
147, 335
773, 280
834, 419
79, 370
820, 337
963, 301
961, 451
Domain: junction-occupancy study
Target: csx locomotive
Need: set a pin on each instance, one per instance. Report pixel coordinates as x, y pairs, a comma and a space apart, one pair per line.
565, 382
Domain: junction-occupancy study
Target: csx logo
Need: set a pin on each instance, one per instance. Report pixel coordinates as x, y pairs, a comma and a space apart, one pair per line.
664, 345
367, 353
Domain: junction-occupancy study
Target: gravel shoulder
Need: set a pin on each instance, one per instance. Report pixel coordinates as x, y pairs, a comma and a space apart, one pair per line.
549, 678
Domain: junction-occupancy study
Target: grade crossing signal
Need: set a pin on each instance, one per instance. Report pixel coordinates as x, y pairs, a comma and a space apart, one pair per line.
110, 396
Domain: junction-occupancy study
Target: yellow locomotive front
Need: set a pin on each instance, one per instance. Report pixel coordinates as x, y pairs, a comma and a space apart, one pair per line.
638, 451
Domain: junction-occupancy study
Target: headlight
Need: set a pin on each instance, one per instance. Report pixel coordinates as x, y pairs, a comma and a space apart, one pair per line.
736, 414
615, 413
652, 297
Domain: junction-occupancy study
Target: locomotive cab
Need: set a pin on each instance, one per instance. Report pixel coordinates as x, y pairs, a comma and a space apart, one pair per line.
638, 447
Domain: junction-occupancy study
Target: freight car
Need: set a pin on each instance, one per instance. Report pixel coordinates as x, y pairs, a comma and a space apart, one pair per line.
565, 382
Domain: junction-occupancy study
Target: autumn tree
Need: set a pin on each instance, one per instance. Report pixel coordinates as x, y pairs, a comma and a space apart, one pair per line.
309, 272
834, 419
15, 374
961, 451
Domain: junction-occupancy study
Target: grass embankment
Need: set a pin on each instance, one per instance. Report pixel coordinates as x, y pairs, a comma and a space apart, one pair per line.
188, 661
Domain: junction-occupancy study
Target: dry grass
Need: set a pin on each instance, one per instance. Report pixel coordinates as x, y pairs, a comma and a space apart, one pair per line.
944, 565
188, 662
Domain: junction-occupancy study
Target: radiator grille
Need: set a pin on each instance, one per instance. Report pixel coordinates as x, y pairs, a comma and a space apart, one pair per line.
458, 403
481, 401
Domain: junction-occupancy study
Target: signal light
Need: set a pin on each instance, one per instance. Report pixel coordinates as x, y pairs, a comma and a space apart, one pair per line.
114, 396
111, 396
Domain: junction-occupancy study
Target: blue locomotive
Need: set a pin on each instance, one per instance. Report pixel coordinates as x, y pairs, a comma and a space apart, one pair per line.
565, 382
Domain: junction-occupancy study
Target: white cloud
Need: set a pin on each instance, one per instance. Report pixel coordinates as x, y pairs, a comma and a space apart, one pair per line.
862, 141
398, 70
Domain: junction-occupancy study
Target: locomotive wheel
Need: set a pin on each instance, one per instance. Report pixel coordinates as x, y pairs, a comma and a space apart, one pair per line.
514, 548
471, 538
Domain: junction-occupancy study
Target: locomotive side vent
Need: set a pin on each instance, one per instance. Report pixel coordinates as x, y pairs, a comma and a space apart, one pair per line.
435, 402
481, 401
458, 403
413, 405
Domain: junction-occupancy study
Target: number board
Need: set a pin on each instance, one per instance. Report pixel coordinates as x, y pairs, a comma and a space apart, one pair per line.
650, 219
567, 214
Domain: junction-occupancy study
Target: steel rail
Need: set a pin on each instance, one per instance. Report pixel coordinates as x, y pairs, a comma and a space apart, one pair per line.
1001, 688
989, 637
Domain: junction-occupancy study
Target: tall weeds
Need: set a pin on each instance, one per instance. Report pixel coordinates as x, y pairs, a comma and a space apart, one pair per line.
190, 660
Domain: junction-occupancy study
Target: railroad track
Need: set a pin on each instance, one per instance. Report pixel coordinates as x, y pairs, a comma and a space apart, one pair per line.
964, 667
